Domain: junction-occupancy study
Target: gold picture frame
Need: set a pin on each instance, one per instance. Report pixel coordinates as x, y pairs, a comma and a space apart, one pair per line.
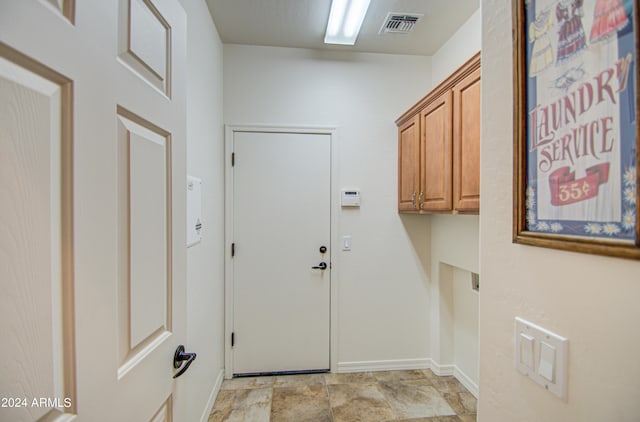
576, 131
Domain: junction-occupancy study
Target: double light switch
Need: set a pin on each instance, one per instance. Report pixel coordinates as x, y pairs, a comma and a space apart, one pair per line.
542, 356
547, 361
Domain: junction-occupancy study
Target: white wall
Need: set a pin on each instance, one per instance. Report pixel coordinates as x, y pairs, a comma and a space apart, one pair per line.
461, 46
465, 322
205, 261
383, 282
591, 300
454, 238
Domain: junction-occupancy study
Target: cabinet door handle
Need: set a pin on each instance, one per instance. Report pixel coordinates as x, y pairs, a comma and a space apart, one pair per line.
420, 200
413, 200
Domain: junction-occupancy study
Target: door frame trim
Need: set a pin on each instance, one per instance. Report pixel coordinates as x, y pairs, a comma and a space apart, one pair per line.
230, 130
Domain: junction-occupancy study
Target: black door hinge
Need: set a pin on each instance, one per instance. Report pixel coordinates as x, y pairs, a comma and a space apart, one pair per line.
233, 159
233, 339
233, 250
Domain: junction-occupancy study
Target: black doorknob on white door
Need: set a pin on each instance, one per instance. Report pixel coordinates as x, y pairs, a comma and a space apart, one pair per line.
320, 266
181, 356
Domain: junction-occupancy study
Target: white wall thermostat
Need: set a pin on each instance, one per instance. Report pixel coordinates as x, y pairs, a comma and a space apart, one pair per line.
350, 198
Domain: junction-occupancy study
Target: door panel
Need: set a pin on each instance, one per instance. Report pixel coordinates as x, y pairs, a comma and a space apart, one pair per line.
144, 42
93, 167
281, 219
165, 413
145, 279
37, 318
437, 150
409, 165
65, 7
466, 145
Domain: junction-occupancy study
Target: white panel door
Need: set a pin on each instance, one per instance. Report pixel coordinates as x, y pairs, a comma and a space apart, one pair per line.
92, 209
281, 203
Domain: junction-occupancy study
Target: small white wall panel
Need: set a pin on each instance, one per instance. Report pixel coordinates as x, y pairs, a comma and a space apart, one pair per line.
32, 308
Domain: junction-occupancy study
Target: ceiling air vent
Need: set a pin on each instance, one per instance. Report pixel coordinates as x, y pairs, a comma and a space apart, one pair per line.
400, 23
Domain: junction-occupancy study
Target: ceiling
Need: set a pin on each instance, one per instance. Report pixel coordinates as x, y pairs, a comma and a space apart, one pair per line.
302, 23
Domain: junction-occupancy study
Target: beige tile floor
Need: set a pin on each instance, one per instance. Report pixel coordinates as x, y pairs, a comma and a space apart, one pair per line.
416, 396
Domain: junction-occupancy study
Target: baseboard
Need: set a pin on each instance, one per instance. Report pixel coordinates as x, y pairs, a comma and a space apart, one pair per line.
384, 365
212, 396
459, 374
442, 370
400, 364
465, 380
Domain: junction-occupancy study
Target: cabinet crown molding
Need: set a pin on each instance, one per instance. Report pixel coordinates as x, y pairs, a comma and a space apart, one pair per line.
462, 72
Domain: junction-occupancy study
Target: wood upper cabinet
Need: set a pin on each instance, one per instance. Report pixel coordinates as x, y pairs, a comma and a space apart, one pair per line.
466, 144
435, 194
439, 144
409, 164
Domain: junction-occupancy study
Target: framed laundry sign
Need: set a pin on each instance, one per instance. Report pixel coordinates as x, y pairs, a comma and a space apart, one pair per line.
576, 125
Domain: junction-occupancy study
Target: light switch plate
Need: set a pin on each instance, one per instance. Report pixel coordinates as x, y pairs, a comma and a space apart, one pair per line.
346, 243
526, 351
550, 356
547, 361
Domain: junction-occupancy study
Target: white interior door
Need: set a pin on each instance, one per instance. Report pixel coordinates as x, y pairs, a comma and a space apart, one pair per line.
281, 219
92, 194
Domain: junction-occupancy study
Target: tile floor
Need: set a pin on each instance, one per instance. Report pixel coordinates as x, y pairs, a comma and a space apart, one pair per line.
410, 396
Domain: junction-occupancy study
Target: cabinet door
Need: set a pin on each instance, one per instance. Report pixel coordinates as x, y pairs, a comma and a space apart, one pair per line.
408, 164
466, 144
436, 155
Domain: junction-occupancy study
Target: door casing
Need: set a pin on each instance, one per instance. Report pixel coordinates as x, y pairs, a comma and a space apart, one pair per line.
229, 234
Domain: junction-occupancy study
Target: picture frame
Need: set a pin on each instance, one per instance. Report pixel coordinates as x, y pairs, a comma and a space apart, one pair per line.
576, 131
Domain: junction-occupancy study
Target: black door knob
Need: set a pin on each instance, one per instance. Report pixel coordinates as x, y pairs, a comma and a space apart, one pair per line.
181, 356
320, 266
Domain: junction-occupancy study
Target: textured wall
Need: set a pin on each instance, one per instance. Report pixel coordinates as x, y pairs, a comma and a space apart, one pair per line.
591, 300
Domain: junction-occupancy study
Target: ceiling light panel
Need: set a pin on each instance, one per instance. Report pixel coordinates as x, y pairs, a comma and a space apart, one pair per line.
345, 20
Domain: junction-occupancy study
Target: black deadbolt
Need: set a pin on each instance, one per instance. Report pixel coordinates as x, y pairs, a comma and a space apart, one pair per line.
323, 249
